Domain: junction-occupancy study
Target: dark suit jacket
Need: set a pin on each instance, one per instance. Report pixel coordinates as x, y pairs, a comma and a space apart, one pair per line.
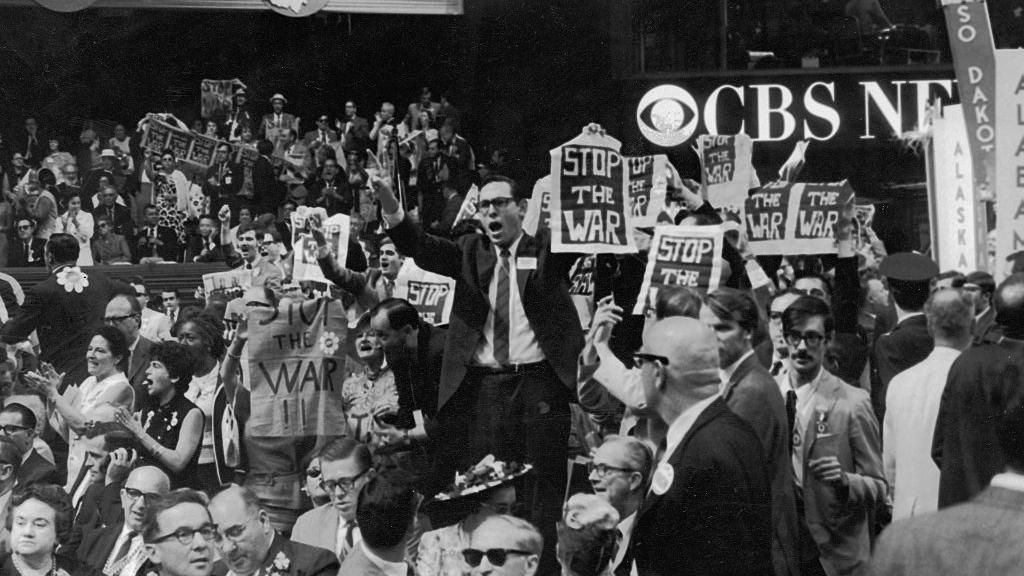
986, 331
194, 251
64, 321
303, 560
229, 184
754, 396
358, 138
122, 224
312, 135
715, 517
981, 536
97, 545
265, 186
907, 344
169, 251
37, 469
966, 446
141, 357
471, 261
17, 257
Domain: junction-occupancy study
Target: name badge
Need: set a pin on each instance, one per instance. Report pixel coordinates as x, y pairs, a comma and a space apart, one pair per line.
526, 263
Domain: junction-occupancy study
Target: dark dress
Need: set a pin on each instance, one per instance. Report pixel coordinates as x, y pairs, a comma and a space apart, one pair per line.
67, 564
163, 424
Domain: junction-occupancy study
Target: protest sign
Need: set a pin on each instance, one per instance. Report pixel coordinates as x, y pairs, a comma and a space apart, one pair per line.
335, 229
589, 204
956, 214
203, 150
970, 41
227, 281
431, 294
1009, 173
581, 287
791, 219
159, 136
647, 184
468, 209
538, 209
296, 369
726, 168
156, 135
689, 256
215, 97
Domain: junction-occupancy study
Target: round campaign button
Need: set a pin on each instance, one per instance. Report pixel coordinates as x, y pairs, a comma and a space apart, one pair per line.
66, 5
667, 115
296, 8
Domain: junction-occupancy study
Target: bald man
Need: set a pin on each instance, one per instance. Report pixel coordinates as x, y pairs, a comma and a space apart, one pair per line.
709, 508
249, 544
118, 550
504, 545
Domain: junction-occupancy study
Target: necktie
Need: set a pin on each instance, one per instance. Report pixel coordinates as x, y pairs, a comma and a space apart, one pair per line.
389, 287
248, 265
791, 415
348, 542
501, 325
126, 546
110, 214
323, 137
28, 251
125, 554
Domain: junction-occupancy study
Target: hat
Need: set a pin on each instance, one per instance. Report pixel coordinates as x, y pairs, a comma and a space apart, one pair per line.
107, 153
488, 473
280, 97
908, 267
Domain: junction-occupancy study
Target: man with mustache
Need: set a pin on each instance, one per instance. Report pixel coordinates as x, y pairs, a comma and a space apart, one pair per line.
179, 534
249, 544
837, 456
118, 549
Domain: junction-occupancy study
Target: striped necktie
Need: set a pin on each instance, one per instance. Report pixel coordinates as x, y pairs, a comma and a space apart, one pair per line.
501, 316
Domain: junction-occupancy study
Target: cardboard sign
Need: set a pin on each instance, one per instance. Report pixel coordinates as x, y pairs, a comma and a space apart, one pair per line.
336, 230
689, 256
1009, 183
726, 168
647, 185
538, 209
790, 219
159, 136
215, 97
589, 204
203, 150
469, 206
581, 287
231, 280
156, 135
296, 369
956, 214
431, 294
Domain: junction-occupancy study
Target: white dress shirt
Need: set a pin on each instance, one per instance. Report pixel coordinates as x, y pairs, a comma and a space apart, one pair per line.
523, 347
804, 407
625, 528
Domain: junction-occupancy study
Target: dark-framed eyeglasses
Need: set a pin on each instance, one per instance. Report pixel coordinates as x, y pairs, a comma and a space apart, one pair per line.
134, 494
186, 535
496, 556
24, 226
9, 429
603, 470
498, 203
794, 337
640, 358
344, 484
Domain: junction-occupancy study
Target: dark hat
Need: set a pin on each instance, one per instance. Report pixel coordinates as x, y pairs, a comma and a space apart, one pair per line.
908, 267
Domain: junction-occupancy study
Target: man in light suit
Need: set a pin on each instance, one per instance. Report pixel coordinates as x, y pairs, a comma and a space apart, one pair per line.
249, 544
837, 455
117, 549
980, 536
278, 122
753, 395
264, 272
709, 509
370, 287
124, 313
513, 341
386, 513
155, 326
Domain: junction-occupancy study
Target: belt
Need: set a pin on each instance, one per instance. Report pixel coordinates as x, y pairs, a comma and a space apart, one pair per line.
509, 368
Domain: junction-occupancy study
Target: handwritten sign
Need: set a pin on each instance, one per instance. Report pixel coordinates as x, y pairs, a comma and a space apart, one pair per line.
203, 150
789, 219
581, 287
469, 206
297, 366
228, 281
1009, 171
956, 214
336, 231
156, 135
159, 136
726, 168
431, 294
538, 209
689, 256
647, 184
589, 204
215, 97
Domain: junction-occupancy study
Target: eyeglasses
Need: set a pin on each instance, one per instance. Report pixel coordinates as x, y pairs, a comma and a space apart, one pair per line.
794, 337
639, 358
186, 535
24, 227
498, 203
602, 470
496, 556
9, 429
345, 484
134, 494
117, 319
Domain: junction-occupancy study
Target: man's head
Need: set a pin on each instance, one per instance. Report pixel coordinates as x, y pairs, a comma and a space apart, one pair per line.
814, 284
247, 242
270, 245
875, 291
950, 315
179, 532
949, 279
350, 109
207, 225
244, 214
433, 149
124, 313
223, 153
30, 125
10, 462
390, 260
504, 545
679, 365
152, 215
501, 210
736, 321
397, 323
330, 169
119, 132
144, 486
26, 228
100, 439
386, 512
1009, 304
170, 300
387, 111
61, 249
277, 104
778, 305
168, 160
980, 285
70, 173
108, 196
245, 530
808, 325
345, 468
141, 292
620, 471
18, 423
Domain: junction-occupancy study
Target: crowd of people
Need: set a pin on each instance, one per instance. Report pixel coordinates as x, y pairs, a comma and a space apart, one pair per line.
774, 425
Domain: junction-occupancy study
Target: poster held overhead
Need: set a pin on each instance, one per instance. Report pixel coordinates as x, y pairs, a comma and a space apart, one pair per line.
726, 168
689, 256
792, 219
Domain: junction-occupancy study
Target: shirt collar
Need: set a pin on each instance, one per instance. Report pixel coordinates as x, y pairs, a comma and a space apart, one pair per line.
728, 371
682, 424
1009, 481
389, 568
512, 247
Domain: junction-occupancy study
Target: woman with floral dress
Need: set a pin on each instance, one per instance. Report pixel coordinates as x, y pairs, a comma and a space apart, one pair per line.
368, 397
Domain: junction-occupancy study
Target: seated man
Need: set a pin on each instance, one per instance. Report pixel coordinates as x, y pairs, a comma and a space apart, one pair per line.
95, 492
109, 247
205, 246
153, 242
18, 423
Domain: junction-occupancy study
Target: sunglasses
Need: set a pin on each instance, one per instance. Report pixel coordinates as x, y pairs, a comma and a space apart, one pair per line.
495, 556
23, 227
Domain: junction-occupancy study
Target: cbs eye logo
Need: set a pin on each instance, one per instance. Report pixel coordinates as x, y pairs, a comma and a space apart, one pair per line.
667, 115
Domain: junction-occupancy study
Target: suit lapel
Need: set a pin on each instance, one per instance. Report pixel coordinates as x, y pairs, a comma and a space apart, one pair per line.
138, 356
485, 262
739, 374
824, 400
